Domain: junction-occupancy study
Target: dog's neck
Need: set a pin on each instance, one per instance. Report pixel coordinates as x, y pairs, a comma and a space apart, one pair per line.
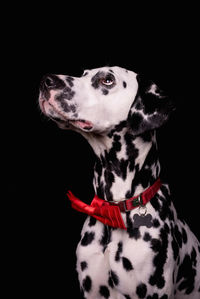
126, 164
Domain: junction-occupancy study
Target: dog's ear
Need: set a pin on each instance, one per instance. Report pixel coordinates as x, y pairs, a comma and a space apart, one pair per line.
151, 107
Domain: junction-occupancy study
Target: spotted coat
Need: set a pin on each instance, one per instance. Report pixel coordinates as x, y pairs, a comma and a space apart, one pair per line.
118, 111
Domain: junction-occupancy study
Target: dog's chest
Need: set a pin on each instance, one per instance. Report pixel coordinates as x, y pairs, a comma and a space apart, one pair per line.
153, 250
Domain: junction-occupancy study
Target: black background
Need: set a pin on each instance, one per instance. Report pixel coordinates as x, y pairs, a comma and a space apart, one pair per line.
43, 162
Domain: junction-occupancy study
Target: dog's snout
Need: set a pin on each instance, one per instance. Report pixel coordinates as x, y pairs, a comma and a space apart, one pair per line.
51, 81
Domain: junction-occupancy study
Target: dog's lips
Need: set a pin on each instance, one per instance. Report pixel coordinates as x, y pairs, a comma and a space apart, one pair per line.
82, 124
41, 103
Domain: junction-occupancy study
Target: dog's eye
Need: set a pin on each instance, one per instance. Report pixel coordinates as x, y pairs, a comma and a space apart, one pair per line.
107, 81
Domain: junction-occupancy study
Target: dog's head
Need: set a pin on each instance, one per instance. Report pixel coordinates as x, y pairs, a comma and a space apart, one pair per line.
102, 99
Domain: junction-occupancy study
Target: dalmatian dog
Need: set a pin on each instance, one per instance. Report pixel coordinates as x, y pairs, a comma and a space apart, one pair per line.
118, 112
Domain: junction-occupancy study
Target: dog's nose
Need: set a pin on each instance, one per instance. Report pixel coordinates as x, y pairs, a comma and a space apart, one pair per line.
51, 81
48, 82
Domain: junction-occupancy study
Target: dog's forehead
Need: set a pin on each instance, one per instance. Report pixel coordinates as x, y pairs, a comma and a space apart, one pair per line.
115, 70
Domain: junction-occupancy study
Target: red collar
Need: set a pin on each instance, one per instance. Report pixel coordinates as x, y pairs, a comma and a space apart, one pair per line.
109, 213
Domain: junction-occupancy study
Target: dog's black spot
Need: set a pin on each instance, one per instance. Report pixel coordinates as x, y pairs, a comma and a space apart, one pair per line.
87, 284
109, 179
147, 136
114, 277
136, 120
131, 150
143, 175
165, 213
127, 296
147, 237
84, 265
105, 239
98, 175
75, 115
66, 107
63, 99
85, 74
156, 245
116, 145
112, 163
194, 256
123, 165
179, 237
119, 251
127, 264
98, 167
133, 232
124, 84
165, 191
118, 128
105, 91
187, 272
156, 222
141, 290
73, 109
96, 79
162, 205
155, 203
100, 189
70, 81
110, 281
92, 221
66, 94
104, 291
184, 236
160, 247
87, 238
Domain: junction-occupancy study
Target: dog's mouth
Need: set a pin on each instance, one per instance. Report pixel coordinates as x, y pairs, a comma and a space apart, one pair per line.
82, 124
63, 120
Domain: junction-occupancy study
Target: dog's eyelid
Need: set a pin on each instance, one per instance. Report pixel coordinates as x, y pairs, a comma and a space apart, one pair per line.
108, 79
